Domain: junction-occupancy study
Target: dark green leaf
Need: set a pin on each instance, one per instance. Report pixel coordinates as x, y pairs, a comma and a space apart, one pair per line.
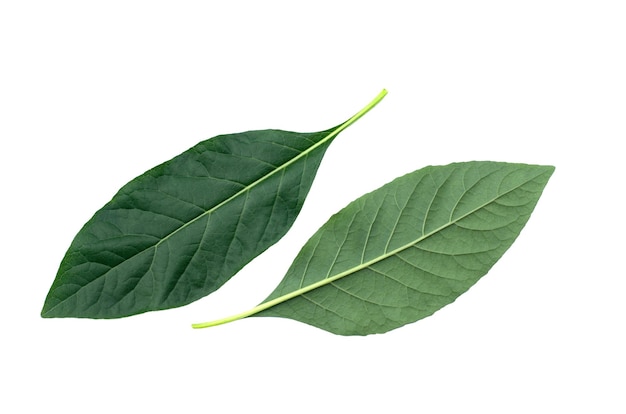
406, 250
182, 229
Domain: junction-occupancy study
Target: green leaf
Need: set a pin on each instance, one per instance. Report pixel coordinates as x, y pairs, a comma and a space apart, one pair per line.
406, 250
182, 229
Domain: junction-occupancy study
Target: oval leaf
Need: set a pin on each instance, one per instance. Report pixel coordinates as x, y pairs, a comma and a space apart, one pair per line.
182, 229
406, 250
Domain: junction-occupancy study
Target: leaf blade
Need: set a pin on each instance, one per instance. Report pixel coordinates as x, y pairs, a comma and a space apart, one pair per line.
149, 247
402, 252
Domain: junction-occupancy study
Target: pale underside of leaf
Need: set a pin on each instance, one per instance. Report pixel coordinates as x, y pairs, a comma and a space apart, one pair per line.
402, 252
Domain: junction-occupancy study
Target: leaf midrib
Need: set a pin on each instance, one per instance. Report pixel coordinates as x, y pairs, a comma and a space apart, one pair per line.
208, 212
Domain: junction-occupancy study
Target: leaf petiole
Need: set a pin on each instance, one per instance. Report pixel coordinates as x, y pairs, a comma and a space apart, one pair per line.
274, 302
268, 304
362, 112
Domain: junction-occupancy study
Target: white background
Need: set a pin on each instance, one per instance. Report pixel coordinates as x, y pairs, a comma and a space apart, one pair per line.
93, 94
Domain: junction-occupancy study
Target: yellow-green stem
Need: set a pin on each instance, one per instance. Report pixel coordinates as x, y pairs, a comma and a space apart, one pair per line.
284, 298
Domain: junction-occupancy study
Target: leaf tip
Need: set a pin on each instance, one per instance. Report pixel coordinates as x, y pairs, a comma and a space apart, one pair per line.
46, 311
549, 170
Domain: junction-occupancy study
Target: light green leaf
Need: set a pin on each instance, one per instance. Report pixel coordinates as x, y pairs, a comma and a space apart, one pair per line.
406, 250
182, 229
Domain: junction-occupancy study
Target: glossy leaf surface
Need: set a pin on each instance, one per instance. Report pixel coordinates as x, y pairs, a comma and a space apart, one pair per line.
182, 229
406, 250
